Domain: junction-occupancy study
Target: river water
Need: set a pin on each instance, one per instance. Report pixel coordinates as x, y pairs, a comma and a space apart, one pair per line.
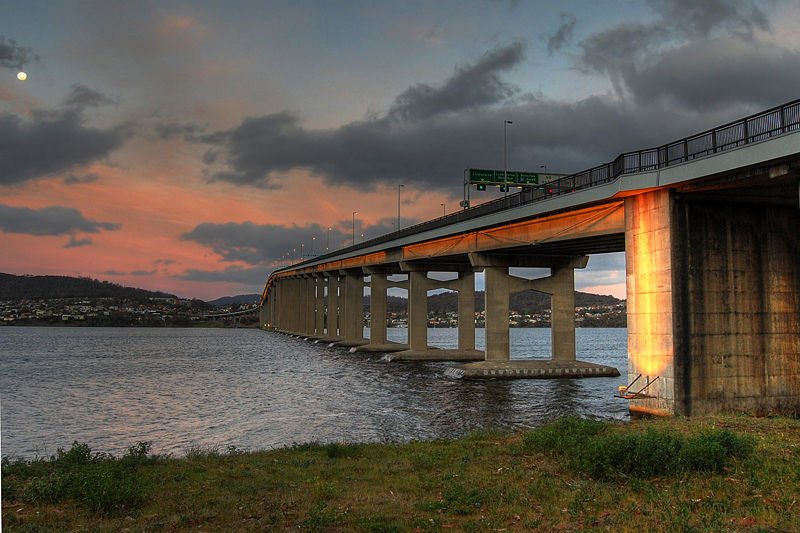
214, 388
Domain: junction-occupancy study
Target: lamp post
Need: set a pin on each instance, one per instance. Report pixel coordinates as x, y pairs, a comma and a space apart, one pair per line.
505, 153
328, 242
444, 211
398, 205
354, 227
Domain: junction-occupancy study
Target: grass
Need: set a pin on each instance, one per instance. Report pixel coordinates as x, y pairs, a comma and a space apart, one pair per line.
718, 474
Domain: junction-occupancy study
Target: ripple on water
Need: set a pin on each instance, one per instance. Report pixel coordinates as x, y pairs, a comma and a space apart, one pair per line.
181, 388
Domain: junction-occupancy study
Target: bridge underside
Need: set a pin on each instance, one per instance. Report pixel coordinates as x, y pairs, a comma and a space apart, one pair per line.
713, 279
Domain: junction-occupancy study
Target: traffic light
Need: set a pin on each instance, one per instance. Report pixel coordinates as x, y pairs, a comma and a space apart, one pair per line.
503, 188
481, 186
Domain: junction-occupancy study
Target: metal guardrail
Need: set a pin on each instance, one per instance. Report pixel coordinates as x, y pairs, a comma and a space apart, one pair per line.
764, 125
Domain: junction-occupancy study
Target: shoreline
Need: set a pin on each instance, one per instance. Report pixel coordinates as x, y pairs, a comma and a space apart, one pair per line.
572, 475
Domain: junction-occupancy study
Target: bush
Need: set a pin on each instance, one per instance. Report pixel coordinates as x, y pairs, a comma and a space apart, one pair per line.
107, 487
335, 449
641, 455
97, 480
710, 450
565, 436
589, 446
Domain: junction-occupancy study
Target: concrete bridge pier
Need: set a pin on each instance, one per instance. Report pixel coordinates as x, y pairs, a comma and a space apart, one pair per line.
332, 331
379, 284
319, 306
713, 285
351, 311
561, 286
308, 304
418, 286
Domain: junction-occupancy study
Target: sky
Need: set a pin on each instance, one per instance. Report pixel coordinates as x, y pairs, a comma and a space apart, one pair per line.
192, 147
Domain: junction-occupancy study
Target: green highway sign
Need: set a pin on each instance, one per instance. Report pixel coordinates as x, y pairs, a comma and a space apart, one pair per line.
500, 177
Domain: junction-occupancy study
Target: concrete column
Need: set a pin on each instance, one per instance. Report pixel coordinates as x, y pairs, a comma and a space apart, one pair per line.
466, 310
295, 305
377, 308
319, 306
309, 301
263, 313
288, 298
353, 306
278, 300
649, 275
418, 310
497, 336
562, 305
333, 305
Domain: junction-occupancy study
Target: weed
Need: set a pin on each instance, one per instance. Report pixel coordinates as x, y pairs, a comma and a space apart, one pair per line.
335, 449
564, 436
380, 524
590, 446
107, 488
320, 518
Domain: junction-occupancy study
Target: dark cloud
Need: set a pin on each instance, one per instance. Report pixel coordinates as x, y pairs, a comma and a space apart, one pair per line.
49, 221
256, 244
78, 180
80, 97
696, 56
251, 276
52, 141
692, 19
13, 56
717, 73
189, 131
563, 35
76, 243
470, 87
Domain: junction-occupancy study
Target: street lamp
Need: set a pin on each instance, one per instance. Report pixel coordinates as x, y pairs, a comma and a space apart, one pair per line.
505, 153
354, 227
328, 242
444, 211
398, 205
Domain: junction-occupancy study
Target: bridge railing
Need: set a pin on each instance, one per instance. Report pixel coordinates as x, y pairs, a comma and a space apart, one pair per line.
764, 125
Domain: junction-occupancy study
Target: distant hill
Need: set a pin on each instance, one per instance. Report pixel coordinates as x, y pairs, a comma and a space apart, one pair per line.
50, 287
524, 302
235, 300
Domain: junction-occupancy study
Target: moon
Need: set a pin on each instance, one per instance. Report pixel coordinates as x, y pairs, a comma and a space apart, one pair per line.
22, 76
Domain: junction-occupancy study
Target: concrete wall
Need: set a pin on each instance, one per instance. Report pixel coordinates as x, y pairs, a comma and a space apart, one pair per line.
737, 329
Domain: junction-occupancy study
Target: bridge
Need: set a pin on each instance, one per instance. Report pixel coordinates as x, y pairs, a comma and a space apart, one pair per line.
710, 227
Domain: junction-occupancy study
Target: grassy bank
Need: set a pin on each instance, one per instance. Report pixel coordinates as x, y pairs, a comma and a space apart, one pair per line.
722, 474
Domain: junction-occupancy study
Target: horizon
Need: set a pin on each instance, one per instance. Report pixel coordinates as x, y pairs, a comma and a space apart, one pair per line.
192, 149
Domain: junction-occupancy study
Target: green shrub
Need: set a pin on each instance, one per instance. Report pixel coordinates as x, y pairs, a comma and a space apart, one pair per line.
641, 455
108, 487
710, 450
97, 480
335, 449
589, 446
564, 436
